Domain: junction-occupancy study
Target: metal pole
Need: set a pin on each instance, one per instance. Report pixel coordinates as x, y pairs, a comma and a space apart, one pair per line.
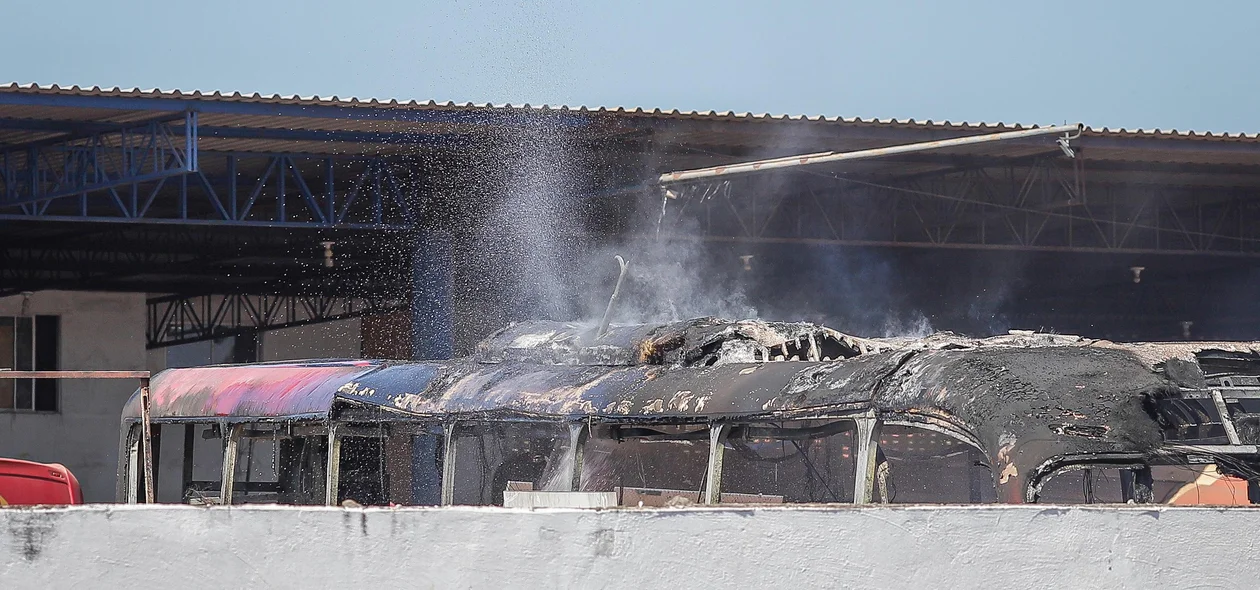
133, 466
867, 446
603, 325
228, 476
448, 464
577, 441
826, 157
1227, 421
147, 433
186, 475
713, 479
333, 472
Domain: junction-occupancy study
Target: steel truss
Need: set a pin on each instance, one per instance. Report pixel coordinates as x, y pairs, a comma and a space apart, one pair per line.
1042, 206
179, 320
258, 190
35, 175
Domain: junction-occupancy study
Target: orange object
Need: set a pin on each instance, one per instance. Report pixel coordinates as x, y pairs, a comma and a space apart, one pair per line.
26, 483
1211, 488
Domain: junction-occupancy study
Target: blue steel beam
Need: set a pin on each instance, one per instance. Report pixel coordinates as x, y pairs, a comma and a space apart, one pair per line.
434, 140
36, 173
78, 130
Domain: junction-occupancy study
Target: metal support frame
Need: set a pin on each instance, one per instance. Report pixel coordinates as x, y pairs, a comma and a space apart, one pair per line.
713, 474
1227, 421
867, 447
186, 473
36, 174
231, 443
232, 189
333, 472
130, 494
155, 436
578, 434
1040, 204
180, 320
448, 463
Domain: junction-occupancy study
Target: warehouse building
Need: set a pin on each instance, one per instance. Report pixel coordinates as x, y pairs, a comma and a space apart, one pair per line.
147, 229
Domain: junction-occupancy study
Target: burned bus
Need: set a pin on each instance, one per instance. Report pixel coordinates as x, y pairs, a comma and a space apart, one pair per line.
711, 411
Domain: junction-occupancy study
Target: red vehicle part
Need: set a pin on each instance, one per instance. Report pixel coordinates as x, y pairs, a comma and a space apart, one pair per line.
25, 483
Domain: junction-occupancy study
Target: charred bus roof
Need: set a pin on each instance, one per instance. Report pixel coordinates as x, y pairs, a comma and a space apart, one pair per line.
1028, 401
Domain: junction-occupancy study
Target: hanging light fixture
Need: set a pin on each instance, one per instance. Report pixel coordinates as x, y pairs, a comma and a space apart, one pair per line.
328, 253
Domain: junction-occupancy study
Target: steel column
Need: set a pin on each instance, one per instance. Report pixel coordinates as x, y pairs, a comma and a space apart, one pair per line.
866, 449
431, 313
448, 463
333, 472
713, 474
232, 439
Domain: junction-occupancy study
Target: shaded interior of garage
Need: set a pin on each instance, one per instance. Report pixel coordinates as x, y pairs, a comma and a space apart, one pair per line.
471, 216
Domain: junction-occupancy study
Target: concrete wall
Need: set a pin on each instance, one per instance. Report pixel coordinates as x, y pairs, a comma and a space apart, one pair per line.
332, 339
910, 547
98, 331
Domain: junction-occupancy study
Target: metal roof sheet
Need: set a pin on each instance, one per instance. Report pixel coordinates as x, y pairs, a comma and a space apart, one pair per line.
393, 103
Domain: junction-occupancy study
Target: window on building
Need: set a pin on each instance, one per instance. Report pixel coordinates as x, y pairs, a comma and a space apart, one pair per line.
29, 344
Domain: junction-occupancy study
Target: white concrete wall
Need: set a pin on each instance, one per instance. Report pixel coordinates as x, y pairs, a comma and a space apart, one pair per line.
909, 547
328, 340
103, 331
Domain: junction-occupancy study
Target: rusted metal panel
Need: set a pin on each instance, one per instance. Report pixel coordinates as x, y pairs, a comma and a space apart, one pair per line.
7, 374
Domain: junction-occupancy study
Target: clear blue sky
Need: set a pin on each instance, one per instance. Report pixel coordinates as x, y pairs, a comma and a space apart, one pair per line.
1132, 63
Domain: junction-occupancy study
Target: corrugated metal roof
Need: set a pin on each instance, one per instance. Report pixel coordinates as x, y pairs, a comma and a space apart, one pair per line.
376, 103
333, 126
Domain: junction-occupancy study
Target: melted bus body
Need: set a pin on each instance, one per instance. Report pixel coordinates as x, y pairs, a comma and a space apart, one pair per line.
712, 411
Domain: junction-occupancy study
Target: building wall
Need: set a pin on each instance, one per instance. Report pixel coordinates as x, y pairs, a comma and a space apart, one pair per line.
909, 547
99, 331
329, 340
